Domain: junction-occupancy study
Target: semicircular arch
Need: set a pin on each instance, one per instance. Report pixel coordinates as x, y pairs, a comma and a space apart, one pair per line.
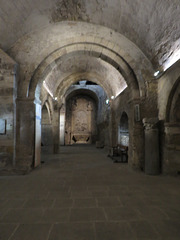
109, 56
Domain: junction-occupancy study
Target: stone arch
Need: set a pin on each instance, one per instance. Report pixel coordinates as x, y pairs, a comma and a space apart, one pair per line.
80, 34
88, 92
96, 50
61, 90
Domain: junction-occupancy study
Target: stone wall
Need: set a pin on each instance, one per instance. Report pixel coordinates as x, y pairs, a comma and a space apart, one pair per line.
7, 95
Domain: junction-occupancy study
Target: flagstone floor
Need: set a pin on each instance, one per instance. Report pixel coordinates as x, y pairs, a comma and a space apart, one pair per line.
80, 194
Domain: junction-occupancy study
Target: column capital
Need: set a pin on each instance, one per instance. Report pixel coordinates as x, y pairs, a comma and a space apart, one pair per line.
150, 123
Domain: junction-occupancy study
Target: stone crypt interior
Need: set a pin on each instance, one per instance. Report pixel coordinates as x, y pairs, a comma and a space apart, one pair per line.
85, 85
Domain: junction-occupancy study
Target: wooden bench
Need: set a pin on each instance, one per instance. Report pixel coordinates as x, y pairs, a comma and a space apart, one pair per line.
119, 153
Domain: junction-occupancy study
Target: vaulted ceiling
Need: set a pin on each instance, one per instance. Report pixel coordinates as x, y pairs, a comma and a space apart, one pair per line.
153, 25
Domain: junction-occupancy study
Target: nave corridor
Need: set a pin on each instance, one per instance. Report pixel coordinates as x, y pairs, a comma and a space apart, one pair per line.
80, 194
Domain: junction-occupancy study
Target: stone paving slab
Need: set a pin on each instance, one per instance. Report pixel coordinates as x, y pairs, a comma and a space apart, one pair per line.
122, 213
72, 231
87, 215
63, 203
23, 216
113, 231
144, 230
6, 230
31, 231
85, 203
167, 229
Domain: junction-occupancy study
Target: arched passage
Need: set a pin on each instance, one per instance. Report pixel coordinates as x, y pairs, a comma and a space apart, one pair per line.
112, 47
110, 56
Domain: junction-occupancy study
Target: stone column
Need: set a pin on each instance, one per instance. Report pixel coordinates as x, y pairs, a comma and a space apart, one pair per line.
24, 146
136, 145
136, 136
152, 159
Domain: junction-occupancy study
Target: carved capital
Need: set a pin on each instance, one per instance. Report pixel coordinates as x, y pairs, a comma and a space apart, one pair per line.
150, 123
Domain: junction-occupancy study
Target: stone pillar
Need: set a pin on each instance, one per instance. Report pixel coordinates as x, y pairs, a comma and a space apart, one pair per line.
24, 146
55, 123
136, 145
152, 159
136, 136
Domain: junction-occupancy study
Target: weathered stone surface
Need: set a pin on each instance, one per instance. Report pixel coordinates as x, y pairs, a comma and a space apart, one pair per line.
7, 91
